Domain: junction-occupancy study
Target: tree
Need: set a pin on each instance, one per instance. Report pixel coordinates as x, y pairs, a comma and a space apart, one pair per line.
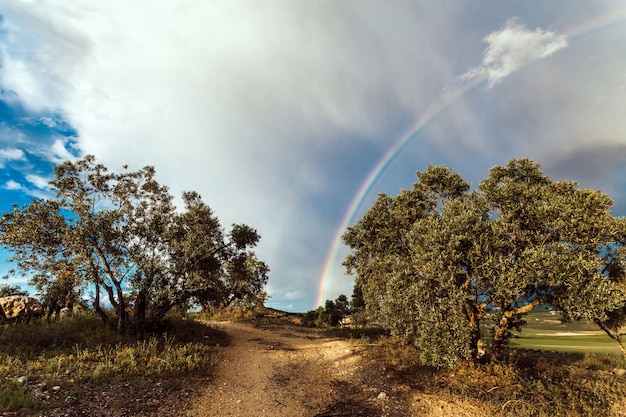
311, 317
552, 243
332, 314
120, 234
358, 315
357, 303
608, 317
58, 292
518, 241
7, 290
380, 240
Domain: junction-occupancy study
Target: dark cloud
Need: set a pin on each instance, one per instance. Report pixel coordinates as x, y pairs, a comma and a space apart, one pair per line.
601, 165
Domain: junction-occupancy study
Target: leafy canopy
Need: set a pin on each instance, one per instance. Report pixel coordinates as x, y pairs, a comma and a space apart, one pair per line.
433, 260
120, 235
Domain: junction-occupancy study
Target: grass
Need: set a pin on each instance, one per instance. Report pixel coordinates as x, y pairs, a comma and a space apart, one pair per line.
46, 365
70, 363
559, 341
527, 383
550, 369
544, 331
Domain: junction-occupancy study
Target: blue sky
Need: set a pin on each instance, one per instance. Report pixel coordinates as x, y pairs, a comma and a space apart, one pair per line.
276, 112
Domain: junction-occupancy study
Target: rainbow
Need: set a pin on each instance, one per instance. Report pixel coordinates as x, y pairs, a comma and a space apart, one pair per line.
450, 97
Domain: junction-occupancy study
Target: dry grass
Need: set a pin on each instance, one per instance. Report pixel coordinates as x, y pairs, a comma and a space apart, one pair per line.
77, 362
47, 365
528, 383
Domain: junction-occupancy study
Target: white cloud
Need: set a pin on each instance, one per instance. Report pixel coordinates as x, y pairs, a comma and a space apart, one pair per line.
12, 185
48, 121
245, 102
281, 294
59, 151
35, 192
38, 181
512, 47
45, 120
11, 154
40, 55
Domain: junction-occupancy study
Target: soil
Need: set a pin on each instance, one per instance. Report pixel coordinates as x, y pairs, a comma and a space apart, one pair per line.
286, 372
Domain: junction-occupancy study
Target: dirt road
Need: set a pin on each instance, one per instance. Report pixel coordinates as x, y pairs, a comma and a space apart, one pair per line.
284, 372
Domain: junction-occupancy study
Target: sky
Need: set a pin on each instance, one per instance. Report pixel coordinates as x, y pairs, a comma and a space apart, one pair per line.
292, 116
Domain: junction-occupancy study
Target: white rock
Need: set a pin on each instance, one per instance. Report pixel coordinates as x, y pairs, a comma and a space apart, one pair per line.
381, 396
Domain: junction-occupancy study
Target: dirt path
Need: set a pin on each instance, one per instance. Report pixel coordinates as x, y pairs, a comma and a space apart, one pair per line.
282, 372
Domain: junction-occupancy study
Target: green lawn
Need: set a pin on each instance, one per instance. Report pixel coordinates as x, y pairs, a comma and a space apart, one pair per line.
564, 341
544, 331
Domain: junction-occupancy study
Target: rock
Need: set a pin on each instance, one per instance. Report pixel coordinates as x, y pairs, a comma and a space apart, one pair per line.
18, 306
382, 396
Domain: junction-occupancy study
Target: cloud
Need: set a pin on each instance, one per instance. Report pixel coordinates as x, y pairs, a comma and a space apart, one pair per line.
595, 165
282, 295
39, 45
275, 112
244, 102
12, 185
38, 181
11, 154
59, 151
512, 47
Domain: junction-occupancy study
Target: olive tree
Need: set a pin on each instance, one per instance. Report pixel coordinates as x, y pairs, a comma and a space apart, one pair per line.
120, 235
517, 241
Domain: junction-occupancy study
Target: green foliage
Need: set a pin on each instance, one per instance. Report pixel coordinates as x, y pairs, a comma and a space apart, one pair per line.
14, 397
310, 318
332, 314
432, 259
120, 234
7, 290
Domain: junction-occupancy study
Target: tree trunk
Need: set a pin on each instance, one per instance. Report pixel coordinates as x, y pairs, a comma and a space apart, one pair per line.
140, 312
501, 333
120, 308
96, 306
474, 313
615, 337
500, 336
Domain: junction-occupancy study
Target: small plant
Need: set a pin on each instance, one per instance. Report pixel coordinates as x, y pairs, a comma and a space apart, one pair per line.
14, 397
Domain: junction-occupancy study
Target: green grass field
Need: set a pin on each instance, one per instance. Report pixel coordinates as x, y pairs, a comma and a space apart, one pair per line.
559, 341
545, 331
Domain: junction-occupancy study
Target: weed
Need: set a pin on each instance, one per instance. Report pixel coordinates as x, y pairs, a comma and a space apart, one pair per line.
15, 397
